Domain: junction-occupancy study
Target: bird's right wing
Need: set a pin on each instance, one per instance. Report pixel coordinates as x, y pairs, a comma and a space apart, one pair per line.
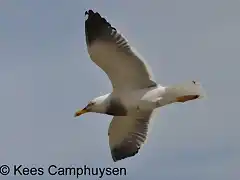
127, 134
112, 53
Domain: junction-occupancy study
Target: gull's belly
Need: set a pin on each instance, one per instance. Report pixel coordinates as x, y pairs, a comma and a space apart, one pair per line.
144, 99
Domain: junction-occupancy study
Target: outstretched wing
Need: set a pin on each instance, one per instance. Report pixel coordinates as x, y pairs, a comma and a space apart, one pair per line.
126, 135
112, 53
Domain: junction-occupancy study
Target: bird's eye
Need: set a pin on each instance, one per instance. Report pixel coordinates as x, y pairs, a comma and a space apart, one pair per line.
91, 104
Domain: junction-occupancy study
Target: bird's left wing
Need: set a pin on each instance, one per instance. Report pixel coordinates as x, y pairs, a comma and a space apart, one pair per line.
127, 134
112, 53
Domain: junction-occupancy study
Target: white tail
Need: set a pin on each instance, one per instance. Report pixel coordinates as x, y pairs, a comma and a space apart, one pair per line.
188, 88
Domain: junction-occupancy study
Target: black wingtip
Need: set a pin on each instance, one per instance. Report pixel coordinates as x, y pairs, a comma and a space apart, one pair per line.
89, 12
94, 16
120, 154
96, 26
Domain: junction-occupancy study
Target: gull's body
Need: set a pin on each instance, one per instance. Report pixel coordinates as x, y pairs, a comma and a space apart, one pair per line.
135, 94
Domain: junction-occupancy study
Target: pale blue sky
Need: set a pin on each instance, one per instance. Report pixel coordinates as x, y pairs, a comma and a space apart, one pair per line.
46, 74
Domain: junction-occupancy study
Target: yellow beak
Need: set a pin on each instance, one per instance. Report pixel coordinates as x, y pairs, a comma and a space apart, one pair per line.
186, 98
80, 112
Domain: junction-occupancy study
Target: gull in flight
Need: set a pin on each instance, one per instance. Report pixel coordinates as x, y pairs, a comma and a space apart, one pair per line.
135, 94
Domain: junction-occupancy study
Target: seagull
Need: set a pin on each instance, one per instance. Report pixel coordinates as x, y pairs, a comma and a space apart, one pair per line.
135, 94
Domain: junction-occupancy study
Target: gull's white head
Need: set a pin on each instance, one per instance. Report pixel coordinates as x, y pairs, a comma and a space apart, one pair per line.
98, 105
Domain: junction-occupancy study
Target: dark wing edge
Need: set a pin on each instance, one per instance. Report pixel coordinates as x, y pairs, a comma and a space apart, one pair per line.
97, 27
133, 141
123, 153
